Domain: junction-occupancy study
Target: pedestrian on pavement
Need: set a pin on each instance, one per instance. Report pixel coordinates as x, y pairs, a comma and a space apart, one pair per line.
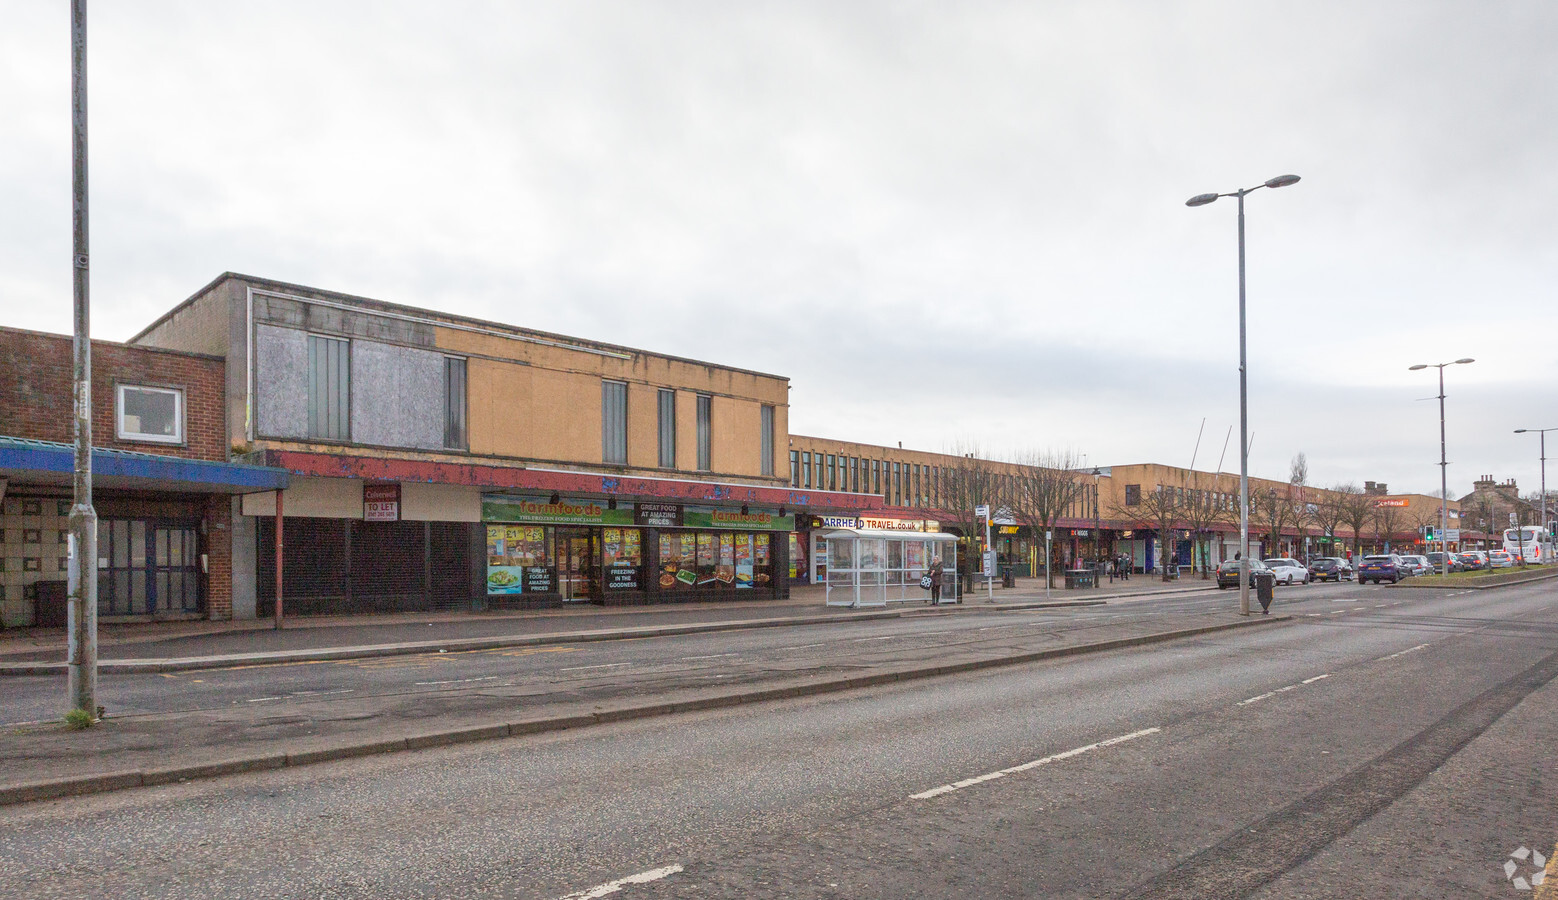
935, 583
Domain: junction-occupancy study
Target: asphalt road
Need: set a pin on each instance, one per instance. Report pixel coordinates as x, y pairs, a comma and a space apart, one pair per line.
650, 663
1395, 751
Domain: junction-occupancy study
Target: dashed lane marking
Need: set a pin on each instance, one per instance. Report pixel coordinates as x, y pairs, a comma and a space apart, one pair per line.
611, 887
600, 666
263, 699
1282, 690
1315, 679
457, 680
710, 656
1402, 653
1013, 770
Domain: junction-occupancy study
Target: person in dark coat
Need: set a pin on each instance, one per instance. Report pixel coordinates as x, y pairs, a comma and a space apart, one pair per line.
935, 583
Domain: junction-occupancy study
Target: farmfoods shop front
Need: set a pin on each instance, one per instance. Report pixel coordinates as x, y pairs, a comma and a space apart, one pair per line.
542, 551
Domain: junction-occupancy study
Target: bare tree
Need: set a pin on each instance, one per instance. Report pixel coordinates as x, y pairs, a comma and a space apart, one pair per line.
1203, 508
1388, 518
1272, 509
1161, 509
1044, 487
1326, 514
1298, 496
968, 482
1355, 509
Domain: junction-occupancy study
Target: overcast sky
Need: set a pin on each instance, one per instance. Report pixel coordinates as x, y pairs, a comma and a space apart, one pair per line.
945, 222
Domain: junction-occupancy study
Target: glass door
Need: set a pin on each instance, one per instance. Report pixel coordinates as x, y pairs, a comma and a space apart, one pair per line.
147, 566
576, 564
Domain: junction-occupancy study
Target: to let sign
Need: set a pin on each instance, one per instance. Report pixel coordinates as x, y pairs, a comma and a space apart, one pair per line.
381, 502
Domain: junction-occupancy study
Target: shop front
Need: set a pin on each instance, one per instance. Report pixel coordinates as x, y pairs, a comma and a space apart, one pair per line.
550, 551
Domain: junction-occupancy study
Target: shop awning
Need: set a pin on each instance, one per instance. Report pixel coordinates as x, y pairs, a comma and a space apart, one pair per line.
30, 462
875, 534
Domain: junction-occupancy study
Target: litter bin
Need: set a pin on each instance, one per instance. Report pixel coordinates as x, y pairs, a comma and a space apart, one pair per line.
50, 604
1265, 589
1007, 579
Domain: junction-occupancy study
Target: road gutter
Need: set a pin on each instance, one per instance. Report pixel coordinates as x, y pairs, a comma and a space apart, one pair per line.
115, 781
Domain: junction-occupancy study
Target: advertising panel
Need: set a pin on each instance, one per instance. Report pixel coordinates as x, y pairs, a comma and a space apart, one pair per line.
752, 520
566, 511
381, 502
517, 560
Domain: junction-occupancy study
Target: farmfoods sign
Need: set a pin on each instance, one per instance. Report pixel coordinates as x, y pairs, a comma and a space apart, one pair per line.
573, 511
505, 508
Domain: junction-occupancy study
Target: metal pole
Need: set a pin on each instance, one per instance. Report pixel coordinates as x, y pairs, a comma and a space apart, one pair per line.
82, 640
1244, 440
1444, 483
278, 558
1543, 437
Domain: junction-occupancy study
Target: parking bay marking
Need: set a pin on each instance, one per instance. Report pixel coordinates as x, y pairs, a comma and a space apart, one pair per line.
1013, 770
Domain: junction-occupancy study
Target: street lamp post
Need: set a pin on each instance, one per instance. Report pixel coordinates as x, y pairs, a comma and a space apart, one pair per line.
1542, 436
1444, 481
1244, 419
1098, 534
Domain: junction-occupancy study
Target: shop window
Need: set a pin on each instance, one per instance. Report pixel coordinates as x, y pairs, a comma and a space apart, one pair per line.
705, 432
702, 560
766, 429
614, 422
454, 403
667, 429
329, 388
149, 414
795, 469
1132, 494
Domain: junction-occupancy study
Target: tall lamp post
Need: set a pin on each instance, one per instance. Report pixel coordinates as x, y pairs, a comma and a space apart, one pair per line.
1444, 481
1098, 534
1244, 419
1542, 435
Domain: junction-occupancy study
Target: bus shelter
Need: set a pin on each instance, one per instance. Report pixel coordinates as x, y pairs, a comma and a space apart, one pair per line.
874, 568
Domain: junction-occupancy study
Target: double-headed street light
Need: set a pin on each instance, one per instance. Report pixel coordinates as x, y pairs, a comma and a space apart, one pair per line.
1244, 419
1542, 433
1444, 481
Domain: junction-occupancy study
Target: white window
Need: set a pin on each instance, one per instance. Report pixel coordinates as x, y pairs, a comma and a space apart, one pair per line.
149, 414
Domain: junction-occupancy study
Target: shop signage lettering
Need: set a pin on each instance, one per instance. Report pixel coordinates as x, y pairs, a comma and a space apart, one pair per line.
1392, 501
381, 502
898, 524
734, 519
566, 511
622, 578
1079, 532
835, 522
657, 515
538, 580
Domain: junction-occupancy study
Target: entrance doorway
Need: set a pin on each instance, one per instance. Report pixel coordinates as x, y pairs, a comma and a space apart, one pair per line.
576, 567
147, 566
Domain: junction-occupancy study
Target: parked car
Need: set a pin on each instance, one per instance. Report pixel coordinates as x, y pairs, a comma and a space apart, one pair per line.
1500, 559
1381, 567
1437, 560
1473, 560
1288, 571
1416, 565
1228, 572
1328, 568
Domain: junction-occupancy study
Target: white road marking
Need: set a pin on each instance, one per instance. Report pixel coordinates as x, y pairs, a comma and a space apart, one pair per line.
801, 647
711, 656
263, 699
1315, 679
611, 887
323, 693
1402, 653
969, 782
459, 680
601, 666
1344, 600
889, 637
1281, 690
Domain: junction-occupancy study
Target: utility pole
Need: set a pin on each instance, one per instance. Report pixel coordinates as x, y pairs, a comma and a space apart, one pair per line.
82, 662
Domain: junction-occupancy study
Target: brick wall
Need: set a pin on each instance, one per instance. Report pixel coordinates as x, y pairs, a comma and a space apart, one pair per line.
219, 557
36, 370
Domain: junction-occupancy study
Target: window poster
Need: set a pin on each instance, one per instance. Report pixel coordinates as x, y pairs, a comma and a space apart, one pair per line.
503, 576
795, 555
621, 555
743, 560
705, 549
725, 572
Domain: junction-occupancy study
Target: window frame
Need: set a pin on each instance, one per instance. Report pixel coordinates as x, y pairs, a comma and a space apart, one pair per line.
765, 421
665, 427
457, 435
315, 395
607, 444
705, 432
179, 414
